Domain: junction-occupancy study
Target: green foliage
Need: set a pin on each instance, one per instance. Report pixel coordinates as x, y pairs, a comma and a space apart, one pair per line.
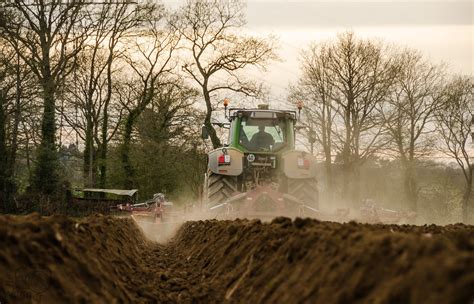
3, 151
164, 152
46, 177
169, 169
46, 174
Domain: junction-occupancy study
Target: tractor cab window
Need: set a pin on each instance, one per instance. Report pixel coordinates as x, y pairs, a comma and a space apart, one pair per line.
263, 135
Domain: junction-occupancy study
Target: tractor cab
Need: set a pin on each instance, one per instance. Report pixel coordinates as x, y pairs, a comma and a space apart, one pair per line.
261, 130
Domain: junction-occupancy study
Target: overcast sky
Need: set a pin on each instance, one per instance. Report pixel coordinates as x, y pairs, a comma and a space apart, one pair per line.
442, 30
295, 14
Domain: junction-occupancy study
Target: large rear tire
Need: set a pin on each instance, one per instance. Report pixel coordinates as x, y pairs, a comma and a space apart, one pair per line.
219, 188
306, 190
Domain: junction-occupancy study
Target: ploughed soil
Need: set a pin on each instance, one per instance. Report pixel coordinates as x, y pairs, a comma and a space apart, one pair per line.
106, 260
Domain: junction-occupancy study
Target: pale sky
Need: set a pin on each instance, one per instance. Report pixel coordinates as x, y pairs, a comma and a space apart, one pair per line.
441, 30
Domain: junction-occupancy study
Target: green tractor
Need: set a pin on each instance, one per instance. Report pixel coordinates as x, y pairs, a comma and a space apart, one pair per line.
259, 173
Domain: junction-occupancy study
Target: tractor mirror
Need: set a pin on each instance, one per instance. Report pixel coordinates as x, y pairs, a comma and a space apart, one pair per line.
204, 132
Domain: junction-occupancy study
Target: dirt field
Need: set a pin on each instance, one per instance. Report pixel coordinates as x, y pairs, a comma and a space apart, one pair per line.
106, 260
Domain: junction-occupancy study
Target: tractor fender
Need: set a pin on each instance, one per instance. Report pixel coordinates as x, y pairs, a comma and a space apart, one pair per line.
291, 167
236, 166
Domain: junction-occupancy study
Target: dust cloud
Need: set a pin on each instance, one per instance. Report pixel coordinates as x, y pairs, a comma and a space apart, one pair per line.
163, 232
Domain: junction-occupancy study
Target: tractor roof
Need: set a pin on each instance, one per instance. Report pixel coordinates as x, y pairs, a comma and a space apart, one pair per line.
233, 112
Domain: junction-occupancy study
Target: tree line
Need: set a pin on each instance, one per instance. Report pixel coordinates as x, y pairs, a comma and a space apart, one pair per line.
100, 71
366, 99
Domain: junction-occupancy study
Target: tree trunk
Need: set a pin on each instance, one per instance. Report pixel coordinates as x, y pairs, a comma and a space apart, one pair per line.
346, 155
89, 156
467, 198
129, 172
355, 183
27, 153
410, 185
102, 159
11, 186
216, 143
105, 125
326, 129
346, 182
329, 177
3, 154
125, 152
46, 178
102, 162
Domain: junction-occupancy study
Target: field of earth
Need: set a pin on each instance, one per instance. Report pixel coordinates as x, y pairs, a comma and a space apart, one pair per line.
105, 259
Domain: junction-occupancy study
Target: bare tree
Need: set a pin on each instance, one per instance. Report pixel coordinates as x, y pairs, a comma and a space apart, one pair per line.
94, 81
361, 76
45, 38
409, 114
455, 121
83, 111
152, 63
7, 84
17, 88
209, 29
316, 90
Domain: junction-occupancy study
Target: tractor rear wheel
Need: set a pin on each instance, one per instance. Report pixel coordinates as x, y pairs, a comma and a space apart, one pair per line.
306, 190
220, 188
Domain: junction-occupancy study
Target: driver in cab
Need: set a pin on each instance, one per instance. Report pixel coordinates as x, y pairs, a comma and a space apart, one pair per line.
262, 140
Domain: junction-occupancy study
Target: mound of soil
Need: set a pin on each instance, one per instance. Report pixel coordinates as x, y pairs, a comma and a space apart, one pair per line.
308, 261
97, 259
106, 259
